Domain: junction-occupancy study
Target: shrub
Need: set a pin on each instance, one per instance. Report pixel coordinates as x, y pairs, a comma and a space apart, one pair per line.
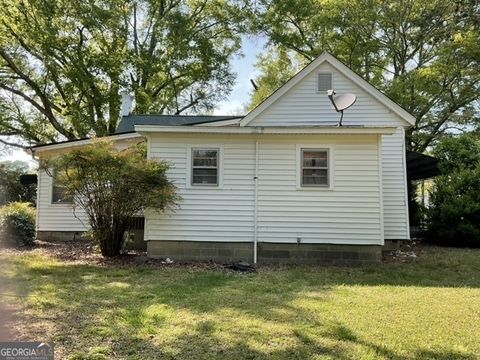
11, 189
17, 224
112, 186
453, 217
454, 214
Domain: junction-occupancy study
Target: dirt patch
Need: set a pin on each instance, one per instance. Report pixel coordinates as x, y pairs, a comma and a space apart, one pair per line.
408, 252
88, 253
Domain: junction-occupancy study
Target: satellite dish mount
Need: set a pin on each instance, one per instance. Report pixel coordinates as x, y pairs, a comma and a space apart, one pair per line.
341, 102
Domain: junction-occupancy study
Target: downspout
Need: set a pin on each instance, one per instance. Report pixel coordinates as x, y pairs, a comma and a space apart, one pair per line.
37, 212
255, 206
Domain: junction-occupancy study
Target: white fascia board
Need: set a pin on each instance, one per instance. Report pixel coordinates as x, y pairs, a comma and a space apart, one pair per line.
351, 75
251, 130
71, 144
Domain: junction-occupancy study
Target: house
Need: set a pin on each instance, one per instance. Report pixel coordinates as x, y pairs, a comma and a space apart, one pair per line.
283, 183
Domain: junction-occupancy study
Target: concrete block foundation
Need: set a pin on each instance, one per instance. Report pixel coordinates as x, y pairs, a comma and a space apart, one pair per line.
268, 253
134, 240
59, 236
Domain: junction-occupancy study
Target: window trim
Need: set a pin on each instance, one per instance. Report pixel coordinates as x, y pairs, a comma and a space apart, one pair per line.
300, 148
52, 185
302, 152
316, 81
189, 166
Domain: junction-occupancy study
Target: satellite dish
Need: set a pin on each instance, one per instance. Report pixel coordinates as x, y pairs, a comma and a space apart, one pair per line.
341, 102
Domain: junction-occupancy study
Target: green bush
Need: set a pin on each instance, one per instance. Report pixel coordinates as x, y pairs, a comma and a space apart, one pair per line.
454, 213
17, 224
453, 217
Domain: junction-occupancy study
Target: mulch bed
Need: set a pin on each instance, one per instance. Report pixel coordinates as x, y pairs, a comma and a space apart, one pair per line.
87, 253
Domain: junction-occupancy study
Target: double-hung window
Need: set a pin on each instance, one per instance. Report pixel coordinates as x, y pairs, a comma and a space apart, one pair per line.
314, 168
205, 167
59, 194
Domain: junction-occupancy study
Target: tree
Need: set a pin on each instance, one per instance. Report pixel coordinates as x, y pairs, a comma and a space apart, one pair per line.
112, 187
63, 63
11, 189
458, 152
454, 214
276, 68
423, 54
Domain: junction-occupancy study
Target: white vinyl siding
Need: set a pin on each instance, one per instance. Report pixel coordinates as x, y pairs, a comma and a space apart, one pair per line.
395, 205
206, 213
303, 105
350, 213
56, 216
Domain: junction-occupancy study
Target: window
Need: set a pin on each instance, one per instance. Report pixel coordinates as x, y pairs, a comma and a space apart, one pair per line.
205, 167
314, 169
59, 195
324, 81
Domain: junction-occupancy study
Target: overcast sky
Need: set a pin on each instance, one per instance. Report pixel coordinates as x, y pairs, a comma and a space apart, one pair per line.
243, 66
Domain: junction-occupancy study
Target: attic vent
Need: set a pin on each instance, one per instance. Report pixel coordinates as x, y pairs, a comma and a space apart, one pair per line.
324, 81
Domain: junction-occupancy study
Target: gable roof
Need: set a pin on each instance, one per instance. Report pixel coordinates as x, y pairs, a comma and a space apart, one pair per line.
127, 124
347, 72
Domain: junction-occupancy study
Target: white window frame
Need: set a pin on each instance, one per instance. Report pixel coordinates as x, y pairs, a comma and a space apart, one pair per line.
316, 81
189, 173
330, 166
52, 184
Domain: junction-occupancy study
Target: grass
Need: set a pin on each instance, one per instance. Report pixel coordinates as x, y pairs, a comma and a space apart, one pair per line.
426, 309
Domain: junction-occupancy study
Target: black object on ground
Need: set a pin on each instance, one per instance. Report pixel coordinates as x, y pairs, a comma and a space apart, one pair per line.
241, 266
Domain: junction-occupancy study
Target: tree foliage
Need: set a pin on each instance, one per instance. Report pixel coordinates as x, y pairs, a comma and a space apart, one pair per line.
423, 54
11, 189
454, 214
458, 152
112, 186
63, 63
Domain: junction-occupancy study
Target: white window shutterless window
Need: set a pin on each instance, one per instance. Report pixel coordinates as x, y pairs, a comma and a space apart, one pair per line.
205, 169
314, 168
59, 194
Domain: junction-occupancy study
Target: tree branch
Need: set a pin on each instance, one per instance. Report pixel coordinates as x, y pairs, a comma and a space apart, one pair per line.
48, 106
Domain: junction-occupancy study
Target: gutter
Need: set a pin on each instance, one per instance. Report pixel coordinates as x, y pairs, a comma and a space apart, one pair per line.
257, 130
80, 142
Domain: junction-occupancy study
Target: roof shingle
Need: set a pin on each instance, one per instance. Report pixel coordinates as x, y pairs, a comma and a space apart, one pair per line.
127, 124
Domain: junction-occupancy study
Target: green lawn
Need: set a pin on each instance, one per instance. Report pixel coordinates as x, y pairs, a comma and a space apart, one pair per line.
427, 309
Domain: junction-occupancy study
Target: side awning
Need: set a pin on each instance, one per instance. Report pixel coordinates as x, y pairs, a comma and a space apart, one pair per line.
420, 166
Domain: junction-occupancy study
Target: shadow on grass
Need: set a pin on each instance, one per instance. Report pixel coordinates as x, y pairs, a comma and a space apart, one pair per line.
202, 343
128, 310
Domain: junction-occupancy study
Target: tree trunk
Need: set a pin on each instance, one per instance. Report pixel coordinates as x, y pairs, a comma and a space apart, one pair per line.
111, 238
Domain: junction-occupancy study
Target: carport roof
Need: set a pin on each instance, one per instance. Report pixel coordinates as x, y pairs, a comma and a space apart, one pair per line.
421, 166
